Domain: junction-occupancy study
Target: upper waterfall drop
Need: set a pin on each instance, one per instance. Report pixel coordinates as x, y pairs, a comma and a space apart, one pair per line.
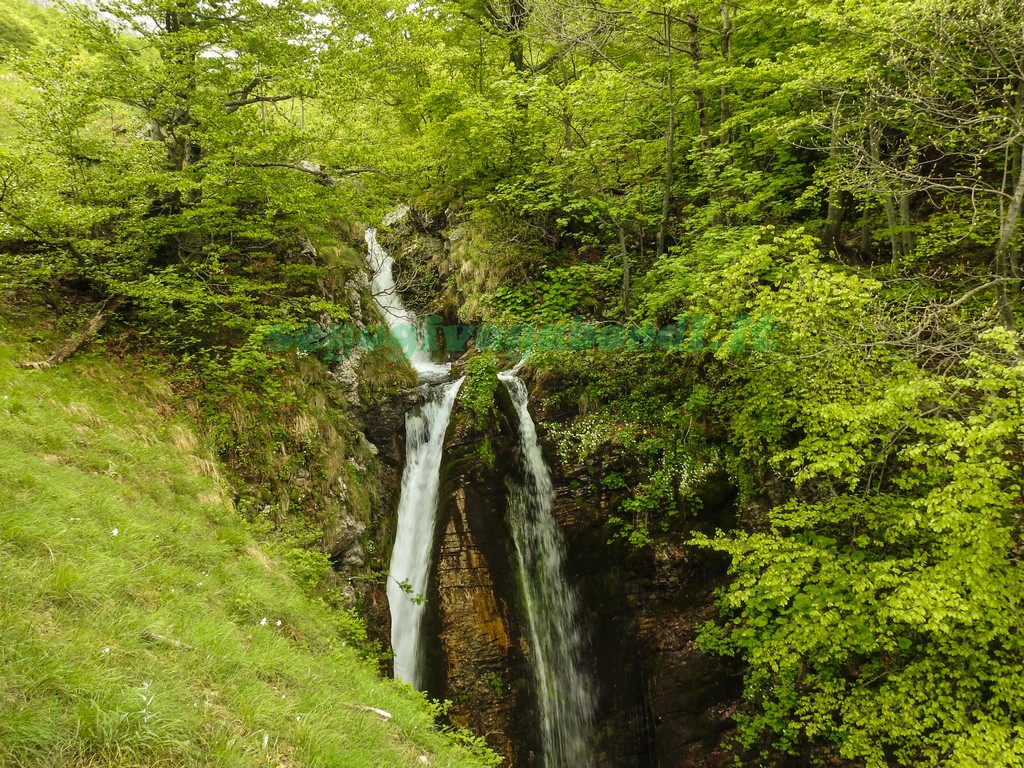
404, 325
565, 690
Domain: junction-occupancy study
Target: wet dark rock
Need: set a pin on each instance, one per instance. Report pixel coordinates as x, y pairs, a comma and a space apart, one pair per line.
662, 702
384, 423
481, 664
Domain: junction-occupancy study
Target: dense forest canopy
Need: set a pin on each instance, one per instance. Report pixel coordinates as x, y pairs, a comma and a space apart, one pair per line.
850, 175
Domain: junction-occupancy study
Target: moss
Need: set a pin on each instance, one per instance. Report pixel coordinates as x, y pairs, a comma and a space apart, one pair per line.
477, 399
477, 393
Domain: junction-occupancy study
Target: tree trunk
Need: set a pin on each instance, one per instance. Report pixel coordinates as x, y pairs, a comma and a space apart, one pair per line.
518, 15
833, 220
906, 233
698, 93
626, 288
889, 205
566, 114
726, 55
865, 230
1004, 249
670, 141
888, 202
1016, 168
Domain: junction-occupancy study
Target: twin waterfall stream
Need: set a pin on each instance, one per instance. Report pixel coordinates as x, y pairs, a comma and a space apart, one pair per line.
564, 691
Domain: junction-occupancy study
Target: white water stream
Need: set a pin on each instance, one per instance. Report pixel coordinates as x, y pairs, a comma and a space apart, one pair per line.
425, 428
413, 552
404, 326
565, 689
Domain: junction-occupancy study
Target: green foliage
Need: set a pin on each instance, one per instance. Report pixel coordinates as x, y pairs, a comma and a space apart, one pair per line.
496, 683
406, 586
873, 606
561, 293
478, 402
880, 615
129, 178
640, 435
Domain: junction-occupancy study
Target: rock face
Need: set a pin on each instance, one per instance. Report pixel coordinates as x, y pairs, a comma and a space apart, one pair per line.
480, 664
384, 424
661, 702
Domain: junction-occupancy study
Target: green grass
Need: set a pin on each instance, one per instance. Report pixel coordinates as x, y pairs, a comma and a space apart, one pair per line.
133, 599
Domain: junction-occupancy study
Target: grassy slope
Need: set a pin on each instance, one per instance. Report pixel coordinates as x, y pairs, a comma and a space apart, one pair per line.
132, 601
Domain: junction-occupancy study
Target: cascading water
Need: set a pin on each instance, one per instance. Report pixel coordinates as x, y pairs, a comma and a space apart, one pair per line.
404, 326
564, 688
425, 428
414, 541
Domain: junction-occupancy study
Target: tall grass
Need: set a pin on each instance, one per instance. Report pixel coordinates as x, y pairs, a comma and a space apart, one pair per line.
140, 623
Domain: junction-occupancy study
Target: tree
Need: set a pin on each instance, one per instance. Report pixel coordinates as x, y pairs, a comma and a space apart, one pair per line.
945, 120
171, 149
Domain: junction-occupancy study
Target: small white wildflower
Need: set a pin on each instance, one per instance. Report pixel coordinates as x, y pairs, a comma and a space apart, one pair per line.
114, 532
263, 621
278, 623
283, 695
106, 650
298, 717
199, 584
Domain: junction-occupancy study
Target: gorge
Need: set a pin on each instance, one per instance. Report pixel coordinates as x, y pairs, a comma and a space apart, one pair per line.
486, 608
753, 500
564, 691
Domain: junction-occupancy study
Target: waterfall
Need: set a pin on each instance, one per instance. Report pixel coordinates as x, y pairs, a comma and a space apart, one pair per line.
565, 691
414, 542
564, 688
425, 428
404, 326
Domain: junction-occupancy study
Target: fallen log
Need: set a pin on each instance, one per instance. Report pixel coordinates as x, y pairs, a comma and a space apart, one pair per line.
72, 345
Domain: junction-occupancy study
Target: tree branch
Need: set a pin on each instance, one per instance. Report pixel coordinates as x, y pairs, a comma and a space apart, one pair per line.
328, 177
68, 348
234, 106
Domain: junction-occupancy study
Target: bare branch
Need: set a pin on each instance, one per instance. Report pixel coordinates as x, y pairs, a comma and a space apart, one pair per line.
234, 106
328, 177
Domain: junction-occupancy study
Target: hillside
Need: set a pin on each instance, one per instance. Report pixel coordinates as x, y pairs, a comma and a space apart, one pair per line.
710, 456
141, 623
